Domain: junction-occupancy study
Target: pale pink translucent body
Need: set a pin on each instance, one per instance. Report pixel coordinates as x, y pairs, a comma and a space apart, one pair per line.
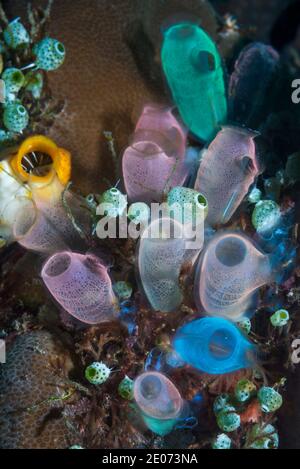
227, 169
81, 285
154, 162
44, 225
34, 231
156, 396
230, 270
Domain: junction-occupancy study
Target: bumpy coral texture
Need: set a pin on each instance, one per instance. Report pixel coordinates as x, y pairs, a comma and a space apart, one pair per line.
33, 373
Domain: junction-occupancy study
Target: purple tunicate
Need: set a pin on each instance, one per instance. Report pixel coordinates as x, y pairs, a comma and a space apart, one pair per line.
251, 83
227, 170
81, 285
155, 160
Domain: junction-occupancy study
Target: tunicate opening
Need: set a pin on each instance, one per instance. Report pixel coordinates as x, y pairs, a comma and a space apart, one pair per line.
203, 61
201, 200
60, 48
57, 265
222, 344
150, 387
169, 141
183, 31
21, 110
114, 190
231, 251
148, 148
247, 165
17, 77
37, 163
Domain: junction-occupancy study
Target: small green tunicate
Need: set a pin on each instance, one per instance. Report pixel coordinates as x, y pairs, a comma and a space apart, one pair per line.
228, 420
50, 54
263, 436
222, 441
265, 216
245, 325
15, 117
125, 388
14, 79
244, 390
270, 400
123, 290
113, 202
97, 373
280, 318
16, 35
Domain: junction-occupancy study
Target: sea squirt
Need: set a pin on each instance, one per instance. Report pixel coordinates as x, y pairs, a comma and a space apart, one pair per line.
194, 73
227, 169
155, 160
229, 272
81, 285
159, 402
213, 345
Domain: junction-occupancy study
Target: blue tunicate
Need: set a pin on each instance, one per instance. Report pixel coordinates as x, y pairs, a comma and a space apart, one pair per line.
214, 346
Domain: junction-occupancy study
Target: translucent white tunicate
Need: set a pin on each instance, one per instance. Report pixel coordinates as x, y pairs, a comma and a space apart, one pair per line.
230, 270
163, 250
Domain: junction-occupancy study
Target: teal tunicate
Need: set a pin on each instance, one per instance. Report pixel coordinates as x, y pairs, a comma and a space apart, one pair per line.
15, 34
50, 54
15, 117
193, 69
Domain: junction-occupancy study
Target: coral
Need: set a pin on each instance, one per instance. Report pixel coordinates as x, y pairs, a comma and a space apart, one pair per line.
31, 408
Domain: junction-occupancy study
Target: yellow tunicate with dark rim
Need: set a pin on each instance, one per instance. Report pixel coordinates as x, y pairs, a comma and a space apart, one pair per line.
58, 158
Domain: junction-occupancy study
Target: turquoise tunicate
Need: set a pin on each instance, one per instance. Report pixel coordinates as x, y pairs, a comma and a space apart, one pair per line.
193, 69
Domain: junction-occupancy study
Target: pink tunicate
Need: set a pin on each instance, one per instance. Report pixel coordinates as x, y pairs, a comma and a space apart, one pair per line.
227, 170
33, 230
229, 272
155, 160
81, 285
